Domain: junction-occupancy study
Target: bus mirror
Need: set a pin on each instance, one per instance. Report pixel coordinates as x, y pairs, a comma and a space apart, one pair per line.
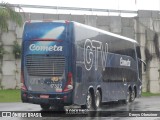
144, 66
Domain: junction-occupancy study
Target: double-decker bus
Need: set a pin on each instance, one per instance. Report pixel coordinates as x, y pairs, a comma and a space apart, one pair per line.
68, 63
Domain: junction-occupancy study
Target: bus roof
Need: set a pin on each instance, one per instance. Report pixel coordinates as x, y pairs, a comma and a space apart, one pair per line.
106, 32
35, 21
87, 26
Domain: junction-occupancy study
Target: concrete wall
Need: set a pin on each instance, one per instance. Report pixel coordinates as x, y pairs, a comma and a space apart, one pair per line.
148, 25
142, 28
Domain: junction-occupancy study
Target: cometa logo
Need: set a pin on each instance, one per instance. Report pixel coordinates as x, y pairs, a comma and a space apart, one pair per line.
34, 47
125, 62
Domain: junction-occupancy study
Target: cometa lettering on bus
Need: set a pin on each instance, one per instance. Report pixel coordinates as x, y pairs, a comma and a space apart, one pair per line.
34, 47
125, 62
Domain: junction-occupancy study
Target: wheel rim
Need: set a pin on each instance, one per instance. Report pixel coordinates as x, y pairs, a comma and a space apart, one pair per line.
128, 97
89, 101
98, 99
133, 96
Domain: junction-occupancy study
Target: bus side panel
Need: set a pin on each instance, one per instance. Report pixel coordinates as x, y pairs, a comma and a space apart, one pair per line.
120, 68
84, 78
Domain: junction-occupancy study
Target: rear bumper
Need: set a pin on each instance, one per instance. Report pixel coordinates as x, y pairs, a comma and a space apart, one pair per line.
54, 99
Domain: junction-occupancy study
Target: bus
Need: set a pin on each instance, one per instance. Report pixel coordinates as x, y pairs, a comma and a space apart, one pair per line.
68, 63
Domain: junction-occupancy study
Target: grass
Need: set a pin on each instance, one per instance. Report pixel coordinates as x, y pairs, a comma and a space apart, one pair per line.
10, 96
148, 94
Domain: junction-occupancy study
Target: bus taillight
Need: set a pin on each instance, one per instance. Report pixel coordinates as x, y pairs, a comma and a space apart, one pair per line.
23, 87
69, 85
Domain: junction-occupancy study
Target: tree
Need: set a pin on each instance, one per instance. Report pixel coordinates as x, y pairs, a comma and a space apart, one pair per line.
7, 13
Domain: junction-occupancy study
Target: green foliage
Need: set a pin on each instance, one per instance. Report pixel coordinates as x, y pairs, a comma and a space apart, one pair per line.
16, 50
148, 94
7, 13
10, 95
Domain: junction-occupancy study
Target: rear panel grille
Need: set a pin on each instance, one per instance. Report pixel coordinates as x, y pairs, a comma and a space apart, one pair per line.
43, 65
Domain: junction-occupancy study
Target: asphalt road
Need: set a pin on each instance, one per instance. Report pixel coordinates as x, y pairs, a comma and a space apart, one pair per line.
108, 111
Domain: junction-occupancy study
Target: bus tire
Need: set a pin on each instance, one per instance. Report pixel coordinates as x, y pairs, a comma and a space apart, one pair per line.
132, 96
45, 107
98, 99
89, 102
128, 98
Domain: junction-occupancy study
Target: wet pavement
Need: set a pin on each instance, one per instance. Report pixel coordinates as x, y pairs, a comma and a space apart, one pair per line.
112, 111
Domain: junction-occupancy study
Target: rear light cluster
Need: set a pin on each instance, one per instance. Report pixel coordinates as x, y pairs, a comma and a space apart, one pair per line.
23, 87
69, 85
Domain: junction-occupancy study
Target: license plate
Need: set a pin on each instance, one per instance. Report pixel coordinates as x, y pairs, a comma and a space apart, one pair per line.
44, 96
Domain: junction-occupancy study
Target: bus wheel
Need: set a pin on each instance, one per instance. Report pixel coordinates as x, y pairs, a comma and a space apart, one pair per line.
132, 96
45, 107
128, 97
89, 102
97, 99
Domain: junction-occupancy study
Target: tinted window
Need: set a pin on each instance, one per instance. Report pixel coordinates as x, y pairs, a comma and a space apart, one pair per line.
44, 30
122, 47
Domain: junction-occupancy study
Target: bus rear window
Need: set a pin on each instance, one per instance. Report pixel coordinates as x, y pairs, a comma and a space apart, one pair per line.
44, 30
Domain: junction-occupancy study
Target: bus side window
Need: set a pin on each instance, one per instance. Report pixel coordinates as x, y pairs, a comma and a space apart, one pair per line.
79, 74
